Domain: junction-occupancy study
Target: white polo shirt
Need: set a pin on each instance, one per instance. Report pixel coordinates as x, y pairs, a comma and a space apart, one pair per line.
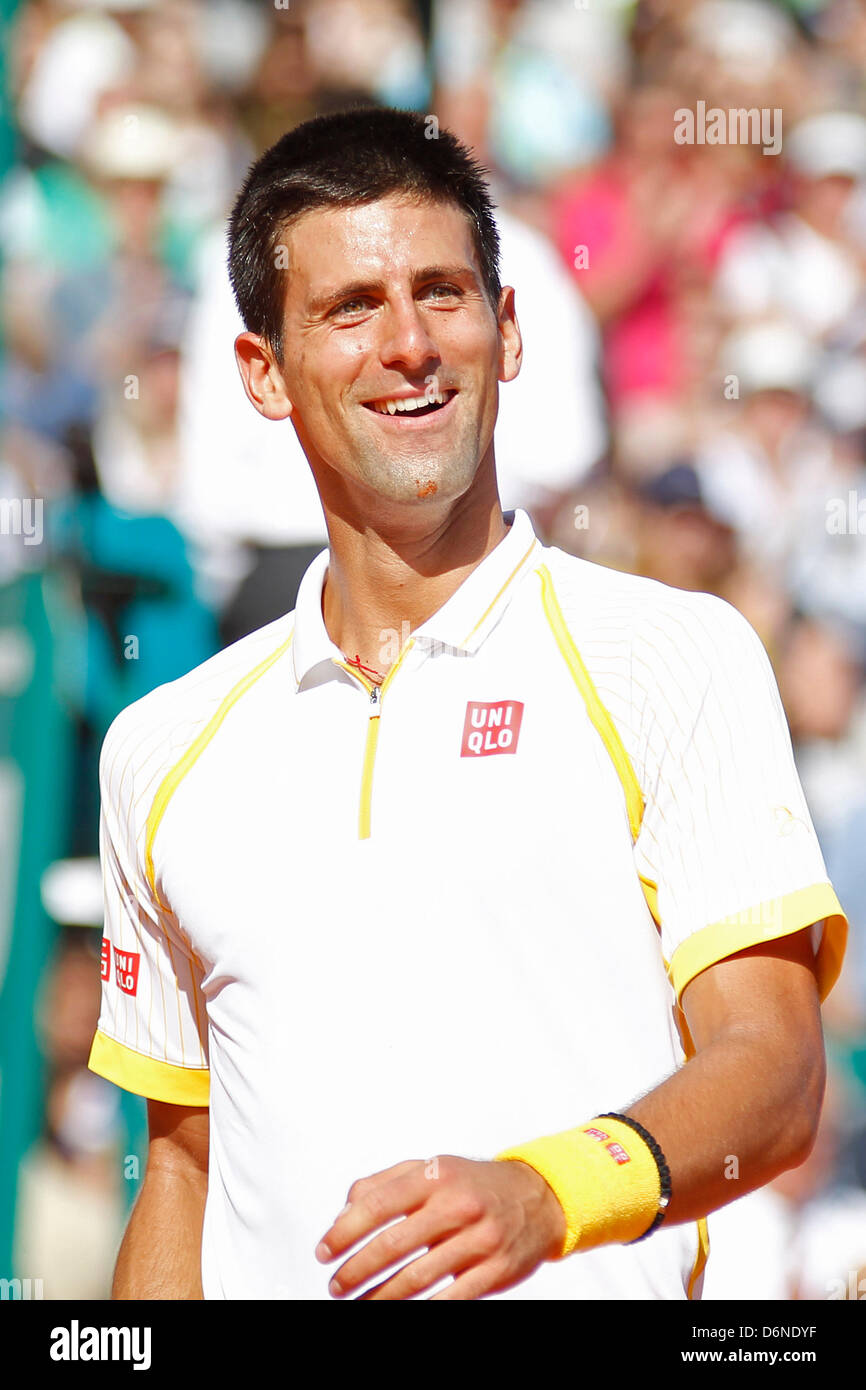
449, 915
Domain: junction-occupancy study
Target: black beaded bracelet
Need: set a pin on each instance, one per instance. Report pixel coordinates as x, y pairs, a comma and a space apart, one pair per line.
661, 1164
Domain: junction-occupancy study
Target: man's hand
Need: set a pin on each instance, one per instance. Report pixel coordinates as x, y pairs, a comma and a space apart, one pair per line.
488, 1224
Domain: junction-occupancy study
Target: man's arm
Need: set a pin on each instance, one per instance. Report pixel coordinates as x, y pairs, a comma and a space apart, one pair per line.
160, 1256
753, 1092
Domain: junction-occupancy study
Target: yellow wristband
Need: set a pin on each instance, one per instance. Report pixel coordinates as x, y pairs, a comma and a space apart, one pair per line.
605, 1178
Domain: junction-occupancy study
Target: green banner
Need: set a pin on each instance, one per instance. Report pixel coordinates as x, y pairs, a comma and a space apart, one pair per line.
35, 751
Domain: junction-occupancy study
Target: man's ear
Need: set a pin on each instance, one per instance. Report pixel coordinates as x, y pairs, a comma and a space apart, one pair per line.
510, 341
262, 378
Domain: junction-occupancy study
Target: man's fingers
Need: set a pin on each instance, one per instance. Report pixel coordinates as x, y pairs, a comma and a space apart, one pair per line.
479, 1222
373, 1202
449, 1257
385, 1174
424, 1229
475, 1282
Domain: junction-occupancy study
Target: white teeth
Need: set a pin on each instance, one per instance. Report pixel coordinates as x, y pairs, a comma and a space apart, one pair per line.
409, 403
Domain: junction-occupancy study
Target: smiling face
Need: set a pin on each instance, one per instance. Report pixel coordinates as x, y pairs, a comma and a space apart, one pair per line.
393, 351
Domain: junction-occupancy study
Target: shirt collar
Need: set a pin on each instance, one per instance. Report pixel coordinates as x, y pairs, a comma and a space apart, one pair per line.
462, 622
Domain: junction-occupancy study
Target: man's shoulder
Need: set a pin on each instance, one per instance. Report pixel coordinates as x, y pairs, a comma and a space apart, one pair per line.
158, 727
622, 621
597, 594
660, 657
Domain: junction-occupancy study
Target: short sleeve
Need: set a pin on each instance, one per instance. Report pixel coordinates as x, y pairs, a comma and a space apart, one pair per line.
726, 840
152, 1032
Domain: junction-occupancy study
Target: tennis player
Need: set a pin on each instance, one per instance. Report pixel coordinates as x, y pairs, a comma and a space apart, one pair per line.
466, 928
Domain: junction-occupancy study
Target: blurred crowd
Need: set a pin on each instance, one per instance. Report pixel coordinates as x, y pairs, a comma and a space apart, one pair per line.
692, 296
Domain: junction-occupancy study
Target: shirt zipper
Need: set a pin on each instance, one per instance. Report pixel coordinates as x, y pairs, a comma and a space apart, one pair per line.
369, 763
377, 694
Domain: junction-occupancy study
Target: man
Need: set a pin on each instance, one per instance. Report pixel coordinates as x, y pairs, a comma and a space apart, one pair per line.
476, 844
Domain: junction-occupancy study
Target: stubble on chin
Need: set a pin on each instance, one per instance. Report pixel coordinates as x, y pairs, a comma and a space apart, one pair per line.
414, 471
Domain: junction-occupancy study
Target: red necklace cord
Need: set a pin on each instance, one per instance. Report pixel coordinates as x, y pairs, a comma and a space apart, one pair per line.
361, 667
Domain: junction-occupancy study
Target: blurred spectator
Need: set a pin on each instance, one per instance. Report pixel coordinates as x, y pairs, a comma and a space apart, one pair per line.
373, 46
528, 84
771, 464
679, 540
640, 232
809, 261
66, 61
71, 1212
780, 476
821, 684
71, 1207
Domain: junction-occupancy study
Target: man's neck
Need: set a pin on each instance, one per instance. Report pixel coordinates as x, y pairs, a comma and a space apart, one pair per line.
382, 583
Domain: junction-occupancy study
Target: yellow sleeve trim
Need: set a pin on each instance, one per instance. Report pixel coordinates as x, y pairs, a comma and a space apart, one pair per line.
768, 921
146, 1076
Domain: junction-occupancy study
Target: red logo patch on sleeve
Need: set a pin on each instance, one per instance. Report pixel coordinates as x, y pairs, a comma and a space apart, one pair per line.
596, 1134
126, 970
105, 959
491, 728
618, 1153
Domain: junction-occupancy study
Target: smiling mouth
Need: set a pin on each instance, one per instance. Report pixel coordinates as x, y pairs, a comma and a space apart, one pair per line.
411, 407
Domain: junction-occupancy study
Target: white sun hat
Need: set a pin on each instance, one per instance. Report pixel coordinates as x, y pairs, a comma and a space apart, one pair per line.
744, 36
132, 141
771, 356
832, 143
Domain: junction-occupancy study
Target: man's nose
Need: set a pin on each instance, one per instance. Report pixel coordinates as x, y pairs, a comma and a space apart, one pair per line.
406, 340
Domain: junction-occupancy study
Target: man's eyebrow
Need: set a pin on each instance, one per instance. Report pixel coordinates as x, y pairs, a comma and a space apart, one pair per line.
446, 272
355, 288
350, 290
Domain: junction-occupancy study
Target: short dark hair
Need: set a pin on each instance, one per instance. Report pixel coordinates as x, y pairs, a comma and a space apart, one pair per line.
345, 159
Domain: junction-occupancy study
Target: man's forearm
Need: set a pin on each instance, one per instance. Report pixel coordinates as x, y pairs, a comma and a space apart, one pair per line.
743, 1110
730, 1120
746, 1107
160, 1255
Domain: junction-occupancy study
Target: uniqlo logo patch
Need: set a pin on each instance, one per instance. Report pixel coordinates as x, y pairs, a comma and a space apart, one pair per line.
126, 970
491, 728
105, 959
618, 1153
596, 1134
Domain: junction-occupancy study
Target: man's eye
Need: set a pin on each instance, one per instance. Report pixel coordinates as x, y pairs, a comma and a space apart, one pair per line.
350, 307
442, 291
